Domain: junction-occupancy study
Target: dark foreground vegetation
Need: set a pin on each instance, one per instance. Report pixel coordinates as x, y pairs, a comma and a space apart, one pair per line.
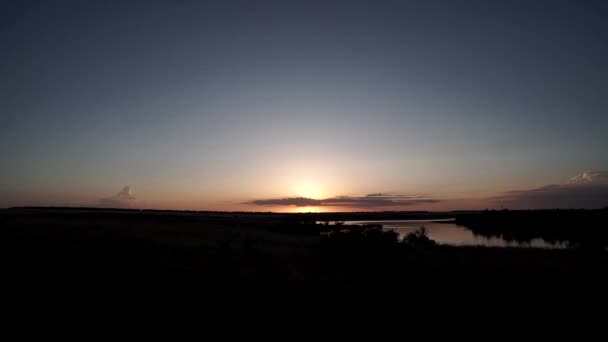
89, 253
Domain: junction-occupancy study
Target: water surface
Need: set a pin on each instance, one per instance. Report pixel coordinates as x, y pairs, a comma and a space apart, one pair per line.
448, 233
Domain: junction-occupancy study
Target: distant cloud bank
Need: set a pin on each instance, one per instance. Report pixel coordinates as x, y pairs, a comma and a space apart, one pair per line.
376, 200
586, 190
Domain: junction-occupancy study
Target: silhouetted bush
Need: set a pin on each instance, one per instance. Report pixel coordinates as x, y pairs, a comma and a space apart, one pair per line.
418, 238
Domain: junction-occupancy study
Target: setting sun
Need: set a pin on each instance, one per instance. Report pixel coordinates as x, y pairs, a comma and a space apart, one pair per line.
309, 189
308, 209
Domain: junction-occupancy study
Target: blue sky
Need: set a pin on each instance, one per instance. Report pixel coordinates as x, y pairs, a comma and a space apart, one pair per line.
208, 105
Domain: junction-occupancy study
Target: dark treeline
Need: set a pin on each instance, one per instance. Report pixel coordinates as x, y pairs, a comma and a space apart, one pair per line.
381, 215
309, 217
579, 228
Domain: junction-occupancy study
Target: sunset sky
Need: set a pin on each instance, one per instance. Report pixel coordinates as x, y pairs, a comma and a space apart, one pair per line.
304, 105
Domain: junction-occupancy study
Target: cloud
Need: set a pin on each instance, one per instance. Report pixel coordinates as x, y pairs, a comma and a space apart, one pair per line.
590, 177
123, 199
377, 200
586, 190
379, 194
294, 201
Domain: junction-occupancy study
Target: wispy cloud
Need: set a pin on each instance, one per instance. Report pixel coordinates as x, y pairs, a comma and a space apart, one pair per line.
587, 190
123, 199
376, 200
590, 177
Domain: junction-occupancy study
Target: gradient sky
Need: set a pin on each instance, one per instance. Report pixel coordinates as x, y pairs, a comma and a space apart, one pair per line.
224, 105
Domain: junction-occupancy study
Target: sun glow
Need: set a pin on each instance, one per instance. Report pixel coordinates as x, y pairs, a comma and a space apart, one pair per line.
306, 210
309, 189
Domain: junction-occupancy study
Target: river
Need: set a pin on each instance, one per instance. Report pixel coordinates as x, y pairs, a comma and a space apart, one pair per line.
449, 233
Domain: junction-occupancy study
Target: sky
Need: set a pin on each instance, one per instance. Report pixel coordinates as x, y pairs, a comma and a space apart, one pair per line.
304, 105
